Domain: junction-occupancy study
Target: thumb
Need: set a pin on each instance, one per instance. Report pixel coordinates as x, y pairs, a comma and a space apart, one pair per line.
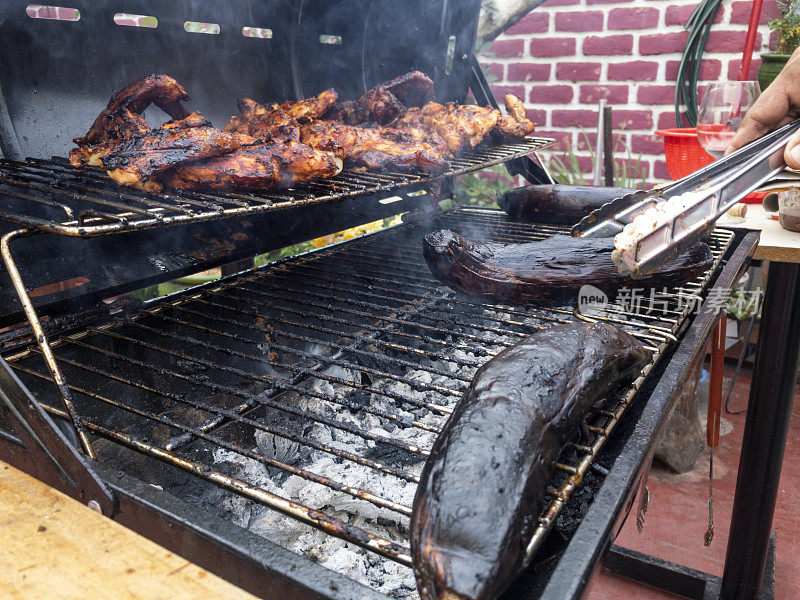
791, 153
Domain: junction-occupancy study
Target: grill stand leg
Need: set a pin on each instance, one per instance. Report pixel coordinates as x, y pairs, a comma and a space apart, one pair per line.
677, 579
750, 558
768, 413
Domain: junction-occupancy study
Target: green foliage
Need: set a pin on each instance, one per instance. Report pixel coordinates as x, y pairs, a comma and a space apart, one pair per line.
628, 172
483, 50
473, 190
787, 26
743, 305
155, 291
269, 257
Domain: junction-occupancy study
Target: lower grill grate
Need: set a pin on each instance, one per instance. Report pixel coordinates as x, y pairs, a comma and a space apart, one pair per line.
337, 368
53, 196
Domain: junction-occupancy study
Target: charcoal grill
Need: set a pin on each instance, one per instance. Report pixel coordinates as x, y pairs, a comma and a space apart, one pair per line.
168, 414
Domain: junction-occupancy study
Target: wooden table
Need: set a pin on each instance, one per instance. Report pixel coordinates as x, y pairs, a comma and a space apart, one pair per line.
55, 547
776, 243
769, 409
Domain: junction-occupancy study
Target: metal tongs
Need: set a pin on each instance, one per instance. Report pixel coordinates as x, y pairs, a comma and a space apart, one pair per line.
721, 184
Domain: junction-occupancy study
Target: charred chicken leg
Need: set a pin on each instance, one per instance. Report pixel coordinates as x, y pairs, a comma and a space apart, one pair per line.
255, 167
134, 161
161, 90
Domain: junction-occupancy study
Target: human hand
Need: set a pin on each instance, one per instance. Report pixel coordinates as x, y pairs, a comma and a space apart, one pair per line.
778, 105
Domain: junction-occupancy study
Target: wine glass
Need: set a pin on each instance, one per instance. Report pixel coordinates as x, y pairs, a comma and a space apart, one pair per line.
721, 112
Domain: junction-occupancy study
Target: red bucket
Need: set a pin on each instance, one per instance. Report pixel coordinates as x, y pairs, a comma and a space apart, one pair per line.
683, 151
685, 155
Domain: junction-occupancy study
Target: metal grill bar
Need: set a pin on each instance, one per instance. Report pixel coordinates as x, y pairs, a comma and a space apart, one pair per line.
245, 374
374, 316
95, 198
239, 449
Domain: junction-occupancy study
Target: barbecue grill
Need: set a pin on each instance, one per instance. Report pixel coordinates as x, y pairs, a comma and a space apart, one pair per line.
271, 425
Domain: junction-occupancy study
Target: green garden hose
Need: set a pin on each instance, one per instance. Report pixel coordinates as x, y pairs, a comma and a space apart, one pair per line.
698, 26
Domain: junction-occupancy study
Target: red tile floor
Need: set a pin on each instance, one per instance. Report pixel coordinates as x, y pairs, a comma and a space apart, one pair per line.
677, 518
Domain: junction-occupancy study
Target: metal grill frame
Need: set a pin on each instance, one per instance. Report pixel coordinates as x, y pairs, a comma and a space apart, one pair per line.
117, 209
658, 337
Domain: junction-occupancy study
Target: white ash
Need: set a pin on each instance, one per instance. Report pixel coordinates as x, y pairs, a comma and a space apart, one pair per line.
366, 567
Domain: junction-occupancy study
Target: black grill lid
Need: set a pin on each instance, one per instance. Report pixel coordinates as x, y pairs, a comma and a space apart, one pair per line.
56, 75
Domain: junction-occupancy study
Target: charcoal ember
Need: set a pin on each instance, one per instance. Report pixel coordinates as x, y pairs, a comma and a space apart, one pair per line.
281, 449
572, 514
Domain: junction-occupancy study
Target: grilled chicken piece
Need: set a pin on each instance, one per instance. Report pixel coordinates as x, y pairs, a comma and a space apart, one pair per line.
386, 101
372, 147
412, 89
124, 124
134, 161
162, 90
344, 112
422, 133
515, 124
91, 156
256, 167
305, 111
261, 123
378, 105
460, 126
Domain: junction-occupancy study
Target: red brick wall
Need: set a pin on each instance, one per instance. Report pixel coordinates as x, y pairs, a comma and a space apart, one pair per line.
567, 54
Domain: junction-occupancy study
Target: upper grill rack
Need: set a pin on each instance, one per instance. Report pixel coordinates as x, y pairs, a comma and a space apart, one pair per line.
358, 339
51, 195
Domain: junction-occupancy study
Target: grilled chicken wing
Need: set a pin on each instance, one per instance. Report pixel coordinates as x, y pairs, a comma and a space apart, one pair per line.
161, 90
305, 111
515, 124
255, 167
135, 160
372, 147
268, 124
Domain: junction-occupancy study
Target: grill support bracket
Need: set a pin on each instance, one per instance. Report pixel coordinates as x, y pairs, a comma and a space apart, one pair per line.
41, 338
56, 459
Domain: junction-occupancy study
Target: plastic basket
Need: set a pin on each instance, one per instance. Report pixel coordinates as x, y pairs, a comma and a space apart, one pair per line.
683, 151
685, 155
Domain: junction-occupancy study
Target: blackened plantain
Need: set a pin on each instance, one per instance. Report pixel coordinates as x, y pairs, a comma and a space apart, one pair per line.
483, 485
549, 269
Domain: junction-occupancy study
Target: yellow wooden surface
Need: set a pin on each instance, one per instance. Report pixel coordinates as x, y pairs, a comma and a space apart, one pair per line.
776, 243
53, 548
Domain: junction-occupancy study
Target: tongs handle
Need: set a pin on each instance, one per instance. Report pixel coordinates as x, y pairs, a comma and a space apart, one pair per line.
755, 151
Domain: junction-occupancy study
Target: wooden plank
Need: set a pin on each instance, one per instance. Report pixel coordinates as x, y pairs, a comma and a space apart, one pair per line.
57, 548
776, 244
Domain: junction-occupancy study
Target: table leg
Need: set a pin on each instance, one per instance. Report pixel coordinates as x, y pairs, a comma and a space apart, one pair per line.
768, 414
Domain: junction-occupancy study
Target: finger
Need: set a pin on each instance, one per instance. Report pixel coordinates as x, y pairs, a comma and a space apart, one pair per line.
779, 103
765, 115
792, 152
